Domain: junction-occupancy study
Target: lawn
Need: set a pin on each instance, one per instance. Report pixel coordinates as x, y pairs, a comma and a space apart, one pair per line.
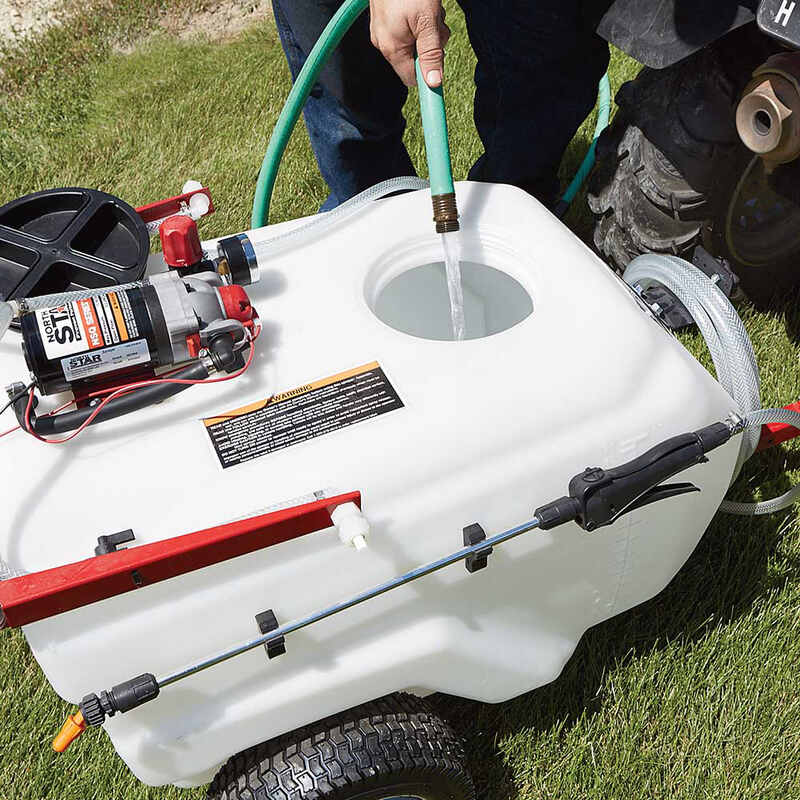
694, 694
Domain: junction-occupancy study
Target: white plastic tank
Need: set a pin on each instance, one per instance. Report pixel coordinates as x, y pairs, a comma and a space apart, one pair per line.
562, 368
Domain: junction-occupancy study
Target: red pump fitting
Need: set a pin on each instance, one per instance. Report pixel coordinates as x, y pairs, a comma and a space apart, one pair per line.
236, 303
180, 242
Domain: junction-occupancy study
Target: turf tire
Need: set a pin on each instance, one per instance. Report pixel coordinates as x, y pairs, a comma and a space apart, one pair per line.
393, 747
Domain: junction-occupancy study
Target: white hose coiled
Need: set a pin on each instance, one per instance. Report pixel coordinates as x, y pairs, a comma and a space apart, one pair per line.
720, 325
754, 421
267, 245
731, 352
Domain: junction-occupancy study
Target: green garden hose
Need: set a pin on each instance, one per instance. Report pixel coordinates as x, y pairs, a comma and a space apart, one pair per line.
437, 150
434, 124
334, 32
603, 115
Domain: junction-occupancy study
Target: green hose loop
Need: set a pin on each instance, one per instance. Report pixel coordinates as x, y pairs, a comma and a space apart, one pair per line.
433, 116
603, 115
334, 32
434, 125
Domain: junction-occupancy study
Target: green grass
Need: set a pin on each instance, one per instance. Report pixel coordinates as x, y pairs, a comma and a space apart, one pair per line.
692, 695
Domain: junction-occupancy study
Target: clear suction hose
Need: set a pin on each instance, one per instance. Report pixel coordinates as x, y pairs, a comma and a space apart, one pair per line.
754, 421
731, 351
11, 309
727, 340
266, 243
7, 571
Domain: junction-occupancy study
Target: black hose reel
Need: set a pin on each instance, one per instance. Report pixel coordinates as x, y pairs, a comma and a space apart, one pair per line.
69, 239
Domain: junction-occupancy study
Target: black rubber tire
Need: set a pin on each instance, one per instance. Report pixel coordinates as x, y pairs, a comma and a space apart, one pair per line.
393, 747
668, 165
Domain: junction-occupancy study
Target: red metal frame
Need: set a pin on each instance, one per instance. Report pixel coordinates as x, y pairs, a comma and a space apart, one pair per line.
40, 595
776, 433
160, 210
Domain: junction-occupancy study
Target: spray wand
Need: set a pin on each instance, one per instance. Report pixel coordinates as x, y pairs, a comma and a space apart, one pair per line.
597, 498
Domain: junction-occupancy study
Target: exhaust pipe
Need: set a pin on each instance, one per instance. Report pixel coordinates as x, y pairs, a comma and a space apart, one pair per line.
768, 115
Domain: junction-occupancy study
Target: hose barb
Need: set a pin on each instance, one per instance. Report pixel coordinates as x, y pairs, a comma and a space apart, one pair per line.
445, 212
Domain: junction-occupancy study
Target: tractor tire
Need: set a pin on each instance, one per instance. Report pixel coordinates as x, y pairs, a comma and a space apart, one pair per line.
669, 166
396, 747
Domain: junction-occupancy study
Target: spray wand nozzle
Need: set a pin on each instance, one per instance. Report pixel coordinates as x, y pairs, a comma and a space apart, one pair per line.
437, 149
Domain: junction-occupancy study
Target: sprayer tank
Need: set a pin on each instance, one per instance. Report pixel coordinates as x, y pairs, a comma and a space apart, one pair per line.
356, 386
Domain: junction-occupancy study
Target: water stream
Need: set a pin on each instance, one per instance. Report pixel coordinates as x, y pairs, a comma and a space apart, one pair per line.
451, 245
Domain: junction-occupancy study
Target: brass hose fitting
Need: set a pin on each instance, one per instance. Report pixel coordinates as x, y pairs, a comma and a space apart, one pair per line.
445, 212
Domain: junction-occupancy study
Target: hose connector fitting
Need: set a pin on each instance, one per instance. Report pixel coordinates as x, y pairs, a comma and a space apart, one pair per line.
736, 424
445, 212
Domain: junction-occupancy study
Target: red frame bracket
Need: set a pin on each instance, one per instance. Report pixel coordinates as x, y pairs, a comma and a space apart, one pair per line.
39, 595
777, 433
157, 212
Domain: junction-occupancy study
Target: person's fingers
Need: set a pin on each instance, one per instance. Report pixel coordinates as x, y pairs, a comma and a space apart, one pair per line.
431, 33
391, 34
402, 61
401, 28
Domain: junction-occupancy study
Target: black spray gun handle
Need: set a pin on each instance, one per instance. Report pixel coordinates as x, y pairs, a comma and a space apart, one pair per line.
599, 497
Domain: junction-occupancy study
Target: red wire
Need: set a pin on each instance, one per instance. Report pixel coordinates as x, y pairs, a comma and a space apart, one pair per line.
101, 392
124, 390
48, 414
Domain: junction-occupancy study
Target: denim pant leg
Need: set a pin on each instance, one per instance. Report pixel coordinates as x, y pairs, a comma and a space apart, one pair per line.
354, 114
536, 81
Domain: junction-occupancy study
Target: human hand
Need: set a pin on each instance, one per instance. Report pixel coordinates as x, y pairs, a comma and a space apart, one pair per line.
396, 26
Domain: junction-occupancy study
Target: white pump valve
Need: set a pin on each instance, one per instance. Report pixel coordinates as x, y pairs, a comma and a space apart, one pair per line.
352, 525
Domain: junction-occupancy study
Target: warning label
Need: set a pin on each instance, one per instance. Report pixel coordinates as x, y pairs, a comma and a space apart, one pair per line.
301, 414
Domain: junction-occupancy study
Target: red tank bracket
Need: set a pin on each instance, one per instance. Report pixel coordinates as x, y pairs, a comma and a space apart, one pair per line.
777, 433
153, 214
39, 595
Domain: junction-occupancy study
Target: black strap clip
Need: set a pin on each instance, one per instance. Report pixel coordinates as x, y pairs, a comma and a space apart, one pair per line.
111, 543
474, 534
267, 621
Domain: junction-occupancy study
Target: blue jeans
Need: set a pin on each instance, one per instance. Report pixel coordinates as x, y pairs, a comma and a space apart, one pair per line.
535, 82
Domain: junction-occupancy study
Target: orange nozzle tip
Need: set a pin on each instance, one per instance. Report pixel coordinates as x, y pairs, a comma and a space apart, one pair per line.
70, 731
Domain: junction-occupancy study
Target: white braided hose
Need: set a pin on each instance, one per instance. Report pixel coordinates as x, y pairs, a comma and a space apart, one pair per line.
720, 325
755, 420
731, 352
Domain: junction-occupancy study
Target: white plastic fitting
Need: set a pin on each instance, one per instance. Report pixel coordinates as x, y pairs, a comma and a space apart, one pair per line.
198, 203
352, 525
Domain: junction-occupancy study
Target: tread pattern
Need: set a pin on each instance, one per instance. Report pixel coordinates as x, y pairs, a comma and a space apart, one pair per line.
658, 181
398, 739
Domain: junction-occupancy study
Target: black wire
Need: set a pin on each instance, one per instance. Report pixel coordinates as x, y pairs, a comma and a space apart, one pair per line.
17, 396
